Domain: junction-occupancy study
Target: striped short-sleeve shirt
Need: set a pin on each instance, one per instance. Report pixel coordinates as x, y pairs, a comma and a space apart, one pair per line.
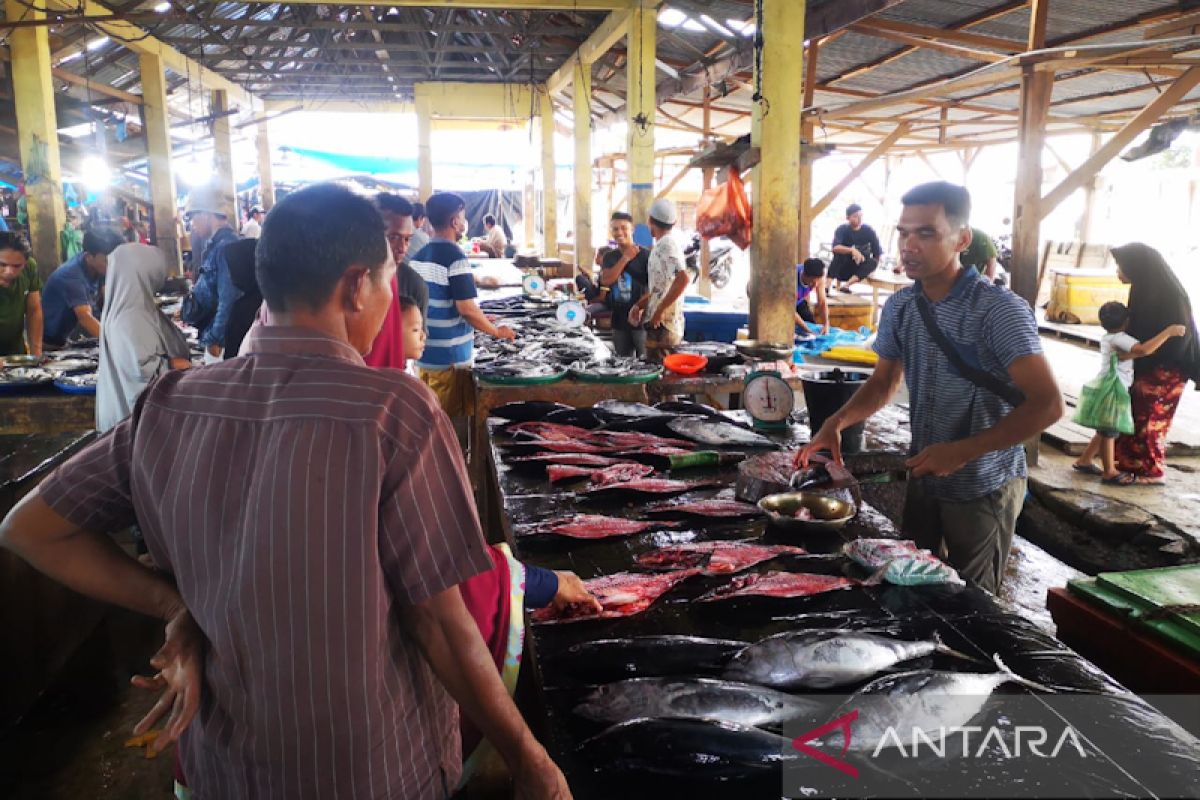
447, 274
991, 328
300, 500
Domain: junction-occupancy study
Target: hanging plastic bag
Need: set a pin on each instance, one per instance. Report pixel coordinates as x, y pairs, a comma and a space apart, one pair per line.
1104, 403
724, 210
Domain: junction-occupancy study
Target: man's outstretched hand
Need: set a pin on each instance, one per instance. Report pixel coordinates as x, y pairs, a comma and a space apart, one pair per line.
180, 665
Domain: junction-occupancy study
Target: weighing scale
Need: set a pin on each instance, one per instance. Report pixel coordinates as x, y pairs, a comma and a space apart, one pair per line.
533, 285
766, 396
571, 313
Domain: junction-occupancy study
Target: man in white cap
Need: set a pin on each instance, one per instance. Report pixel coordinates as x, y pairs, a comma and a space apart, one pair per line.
661, 306
208, 306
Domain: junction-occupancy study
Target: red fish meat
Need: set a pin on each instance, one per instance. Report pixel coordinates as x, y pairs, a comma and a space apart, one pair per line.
778, 584
634, 440
570, 459
620, 471
652, 486
551, 432
621, 595
598, 526
715, 558
706, 508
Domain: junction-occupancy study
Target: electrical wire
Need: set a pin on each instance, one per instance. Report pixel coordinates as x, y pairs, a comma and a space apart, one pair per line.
764, 104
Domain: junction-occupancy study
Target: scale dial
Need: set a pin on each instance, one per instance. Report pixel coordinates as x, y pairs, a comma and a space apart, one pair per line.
533, 284
768, 397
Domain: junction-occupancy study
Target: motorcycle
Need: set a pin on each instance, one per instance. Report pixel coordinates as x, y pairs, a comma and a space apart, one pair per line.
720, 260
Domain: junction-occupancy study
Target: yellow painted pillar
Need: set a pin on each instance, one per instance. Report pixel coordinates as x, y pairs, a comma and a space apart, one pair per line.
37, 131
158, 156
583, 166
777, 183
549, 192
424, 149
640, 110
529, 213
222, 178
266, 181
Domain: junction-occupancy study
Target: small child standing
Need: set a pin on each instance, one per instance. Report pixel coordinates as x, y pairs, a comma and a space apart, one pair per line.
412, 329
1114, 317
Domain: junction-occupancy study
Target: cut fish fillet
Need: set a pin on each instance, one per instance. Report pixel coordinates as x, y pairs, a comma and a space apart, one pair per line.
778, 584
715, 558
621, 595
598, 526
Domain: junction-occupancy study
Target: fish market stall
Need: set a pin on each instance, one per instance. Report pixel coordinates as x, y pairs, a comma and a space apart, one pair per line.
49, 396
731, 626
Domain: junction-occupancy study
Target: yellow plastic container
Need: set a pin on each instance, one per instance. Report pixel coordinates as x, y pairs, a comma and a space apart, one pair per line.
852, 355
1076, 296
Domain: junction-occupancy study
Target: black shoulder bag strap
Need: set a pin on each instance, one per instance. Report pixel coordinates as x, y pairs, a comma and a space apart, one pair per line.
980, 377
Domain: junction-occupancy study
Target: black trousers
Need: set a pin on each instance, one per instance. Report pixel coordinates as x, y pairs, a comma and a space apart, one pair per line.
844, 268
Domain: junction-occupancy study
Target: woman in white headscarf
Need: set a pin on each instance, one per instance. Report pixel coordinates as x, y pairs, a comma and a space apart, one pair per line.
137, 341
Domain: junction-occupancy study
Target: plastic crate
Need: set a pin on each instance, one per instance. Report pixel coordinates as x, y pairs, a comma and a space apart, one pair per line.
713, 324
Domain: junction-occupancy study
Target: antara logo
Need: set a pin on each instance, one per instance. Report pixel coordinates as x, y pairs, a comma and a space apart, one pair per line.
843, 724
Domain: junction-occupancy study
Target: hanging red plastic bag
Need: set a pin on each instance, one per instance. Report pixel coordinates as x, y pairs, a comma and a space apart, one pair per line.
724, 210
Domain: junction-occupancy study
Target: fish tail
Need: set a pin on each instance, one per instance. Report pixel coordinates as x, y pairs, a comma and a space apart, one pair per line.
950, 651
1015, 678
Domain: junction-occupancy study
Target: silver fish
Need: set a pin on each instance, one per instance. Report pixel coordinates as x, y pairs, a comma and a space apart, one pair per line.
928, 700
694, 698
821, 659
715, 432
621, 408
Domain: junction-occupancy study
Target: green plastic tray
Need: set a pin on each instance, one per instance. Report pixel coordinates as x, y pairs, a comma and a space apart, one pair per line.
1126, 608
1159, 588
645, 377
541, 380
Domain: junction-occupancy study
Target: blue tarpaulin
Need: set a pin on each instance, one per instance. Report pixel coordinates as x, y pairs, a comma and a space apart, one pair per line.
818, 344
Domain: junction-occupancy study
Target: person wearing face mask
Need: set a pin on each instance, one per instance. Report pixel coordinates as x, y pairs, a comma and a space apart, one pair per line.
454, 316
979, 386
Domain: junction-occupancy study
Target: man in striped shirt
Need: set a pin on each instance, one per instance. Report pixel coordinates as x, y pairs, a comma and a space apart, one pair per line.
454, 316
967, 480
317, 639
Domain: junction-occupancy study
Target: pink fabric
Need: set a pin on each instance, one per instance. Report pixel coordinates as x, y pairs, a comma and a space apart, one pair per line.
388, 349
486, 597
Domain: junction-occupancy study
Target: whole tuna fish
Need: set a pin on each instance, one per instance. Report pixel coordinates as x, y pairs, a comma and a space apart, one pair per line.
604, 660
688, 748
928, 700
821, 659
694, 698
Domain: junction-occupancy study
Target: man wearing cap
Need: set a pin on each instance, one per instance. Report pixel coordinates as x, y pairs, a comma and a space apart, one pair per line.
661, 306
208, 306
856, 249
253, 225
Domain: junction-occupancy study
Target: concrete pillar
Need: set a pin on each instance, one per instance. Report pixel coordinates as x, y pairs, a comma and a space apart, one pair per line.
158, 156
640, 110
549, 192
424, 149
222, 133
777, 183
266, 182
583, 166
37, 132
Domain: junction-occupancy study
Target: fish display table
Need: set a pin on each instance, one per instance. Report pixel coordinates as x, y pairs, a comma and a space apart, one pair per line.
41, 621
655, 758
46, 410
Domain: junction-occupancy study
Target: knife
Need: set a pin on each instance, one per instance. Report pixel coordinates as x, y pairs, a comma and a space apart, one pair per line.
821, 478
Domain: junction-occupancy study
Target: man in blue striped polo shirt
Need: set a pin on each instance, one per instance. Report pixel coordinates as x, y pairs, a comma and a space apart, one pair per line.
454, 316
967, 479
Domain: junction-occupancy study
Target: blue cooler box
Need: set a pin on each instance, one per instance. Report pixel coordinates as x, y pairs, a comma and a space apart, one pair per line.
707, 323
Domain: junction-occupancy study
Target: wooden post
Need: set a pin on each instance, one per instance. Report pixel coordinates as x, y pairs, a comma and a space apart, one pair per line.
529, 212
37, 132
1036, 87
266, 181
549, 190
425, 150
807, 154
583, 166
861, 167
706, 182
158, 158
777, 184
222, 133
640, 109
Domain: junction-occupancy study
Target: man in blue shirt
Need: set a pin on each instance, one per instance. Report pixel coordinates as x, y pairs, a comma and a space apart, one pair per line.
208, 307
73, 294
454, 316
967, 471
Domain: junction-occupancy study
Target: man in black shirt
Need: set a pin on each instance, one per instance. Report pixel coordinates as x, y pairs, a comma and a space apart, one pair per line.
625, 274
856, 249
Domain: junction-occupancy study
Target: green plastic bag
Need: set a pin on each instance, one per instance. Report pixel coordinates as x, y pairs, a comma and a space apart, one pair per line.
1104, 403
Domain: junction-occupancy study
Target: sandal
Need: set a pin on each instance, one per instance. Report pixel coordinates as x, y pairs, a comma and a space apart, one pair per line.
1087, 469
1129, 479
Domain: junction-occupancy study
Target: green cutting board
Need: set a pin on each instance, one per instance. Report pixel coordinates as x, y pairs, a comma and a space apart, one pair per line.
1158, 588
1124, 607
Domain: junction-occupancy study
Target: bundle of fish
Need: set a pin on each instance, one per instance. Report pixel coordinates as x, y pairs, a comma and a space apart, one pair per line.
900, 562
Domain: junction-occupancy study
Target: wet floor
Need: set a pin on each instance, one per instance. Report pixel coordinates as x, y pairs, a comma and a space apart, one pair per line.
1030, 573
